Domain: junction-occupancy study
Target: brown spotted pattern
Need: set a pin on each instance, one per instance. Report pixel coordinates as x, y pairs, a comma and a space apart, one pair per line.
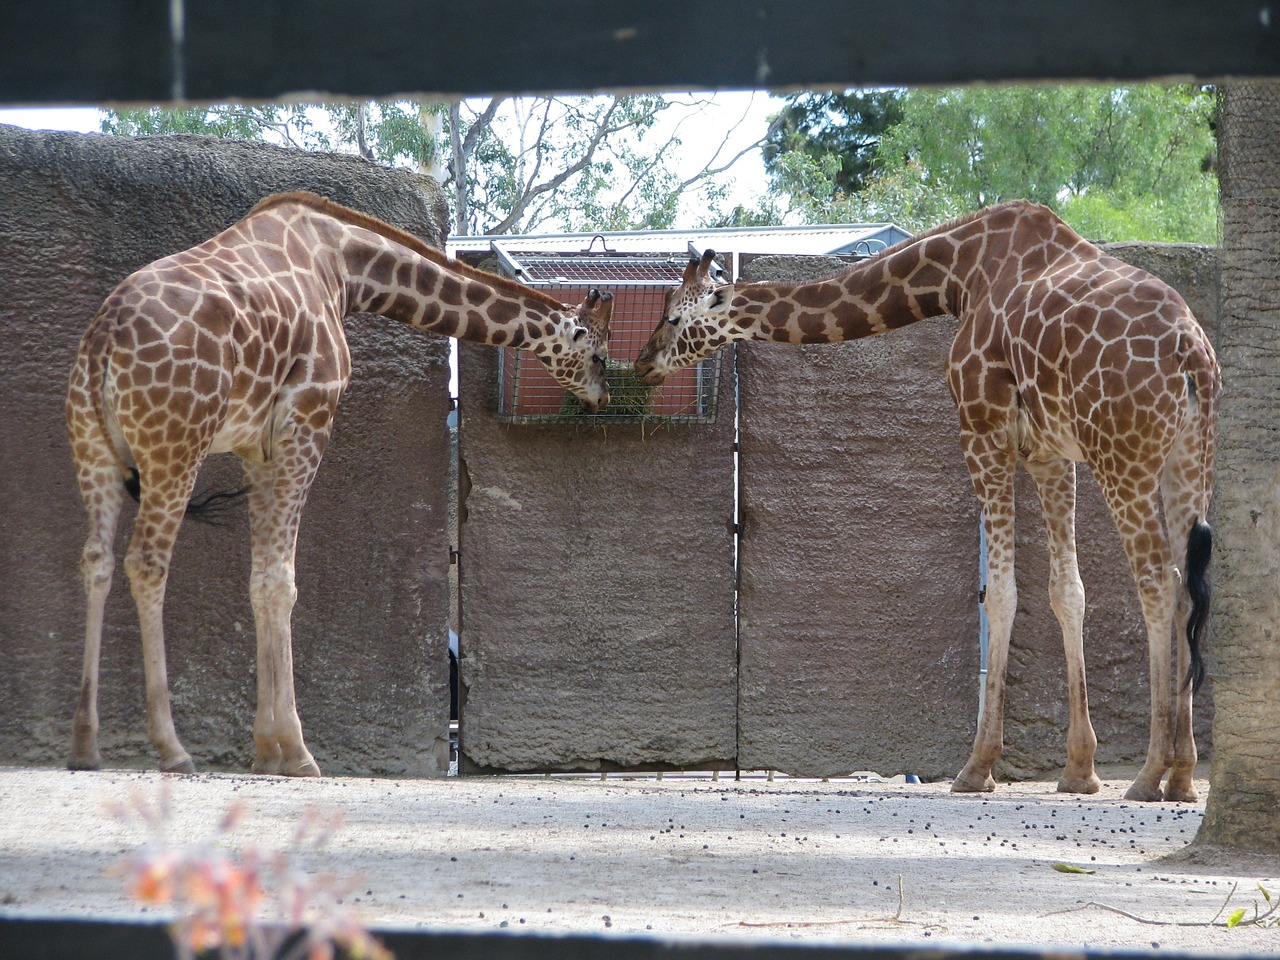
237, 345
1064, 355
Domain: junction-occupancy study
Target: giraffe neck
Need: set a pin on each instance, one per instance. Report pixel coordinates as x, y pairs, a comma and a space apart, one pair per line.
906, 284
937, 273
376, 268
385, 277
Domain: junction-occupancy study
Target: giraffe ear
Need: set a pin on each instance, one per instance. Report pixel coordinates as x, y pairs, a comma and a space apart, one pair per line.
721, 297
579, 334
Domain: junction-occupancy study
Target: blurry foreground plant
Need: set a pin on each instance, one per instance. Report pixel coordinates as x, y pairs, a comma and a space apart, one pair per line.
251, 905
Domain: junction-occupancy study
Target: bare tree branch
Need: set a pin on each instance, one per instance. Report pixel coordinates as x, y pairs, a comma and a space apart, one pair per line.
533, 191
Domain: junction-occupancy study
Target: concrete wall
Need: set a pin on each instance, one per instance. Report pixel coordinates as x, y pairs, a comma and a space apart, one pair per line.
859, 630
597, 588
77, 214
859, 577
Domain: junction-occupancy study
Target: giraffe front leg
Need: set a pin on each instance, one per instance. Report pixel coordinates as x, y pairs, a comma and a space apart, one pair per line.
277, 729
277, 492
986, 402
1000, 603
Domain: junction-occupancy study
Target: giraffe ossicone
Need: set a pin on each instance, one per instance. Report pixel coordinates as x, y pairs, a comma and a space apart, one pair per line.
1064, 354
237, 345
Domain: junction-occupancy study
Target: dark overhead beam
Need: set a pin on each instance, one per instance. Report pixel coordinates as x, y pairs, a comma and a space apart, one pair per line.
101, 51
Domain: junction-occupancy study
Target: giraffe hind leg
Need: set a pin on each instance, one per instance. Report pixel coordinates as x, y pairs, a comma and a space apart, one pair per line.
1142, 532
103, 494
1187, 531
147, 564
1056, 486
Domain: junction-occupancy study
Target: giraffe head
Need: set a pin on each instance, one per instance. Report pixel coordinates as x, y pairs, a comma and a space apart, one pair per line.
575, 350
693, 323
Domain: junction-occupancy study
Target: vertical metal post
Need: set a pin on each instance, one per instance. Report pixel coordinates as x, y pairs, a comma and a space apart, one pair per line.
982, 618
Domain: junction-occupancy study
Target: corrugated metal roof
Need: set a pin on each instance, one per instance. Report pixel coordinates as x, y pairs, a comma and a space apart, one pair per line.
848, 238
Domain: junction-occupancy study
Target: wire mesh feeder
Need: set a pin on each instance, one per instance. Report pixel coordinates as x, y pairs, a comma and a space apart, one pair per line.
638, 282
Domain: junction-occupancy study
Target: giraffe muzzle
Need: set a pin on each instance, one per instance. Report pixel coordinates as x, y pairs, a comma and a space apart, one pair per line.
647, 374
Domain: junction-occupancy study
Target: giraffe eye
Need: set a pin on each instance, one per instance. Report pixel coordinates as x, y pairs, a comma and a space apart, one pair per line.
673, 320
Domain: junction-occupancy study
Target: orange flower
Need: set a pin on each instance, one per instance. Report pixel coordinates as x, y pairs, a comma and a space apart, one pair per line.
200, 935
155, 879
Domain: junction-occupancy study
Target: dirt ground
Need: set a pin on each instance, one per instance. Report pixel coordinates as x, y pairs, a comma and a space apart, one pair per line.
849, 860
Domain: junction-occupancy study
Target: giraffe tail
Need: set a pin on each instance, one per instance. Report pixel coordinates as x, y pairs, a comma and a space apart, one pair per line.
1199, 552
212, 508
1205, 381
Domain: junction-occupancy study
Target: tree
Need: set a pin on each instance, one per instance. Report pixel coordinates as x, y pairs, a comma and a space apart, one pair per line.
1118, 163
290, 125
1243, 809
508, 165
839, 130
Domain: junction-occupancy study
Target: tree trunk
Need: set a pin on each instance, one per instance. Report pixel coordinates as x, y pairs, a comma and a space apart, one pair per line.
1243, 809
462, 212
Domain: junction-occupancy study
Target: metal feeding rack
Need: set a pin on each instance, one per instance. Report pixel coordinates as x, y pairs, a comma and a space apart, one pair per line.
639, 283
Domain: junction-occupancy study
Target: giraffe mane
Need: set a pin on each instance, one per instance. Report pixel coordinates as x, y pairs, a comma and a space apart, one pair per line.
953, 224
418, 246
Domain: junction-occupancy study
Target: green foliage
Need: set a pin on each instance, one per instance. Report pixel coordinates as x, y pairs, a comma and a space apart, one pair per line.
1261, 918
839, 130
285, 124
1117, 163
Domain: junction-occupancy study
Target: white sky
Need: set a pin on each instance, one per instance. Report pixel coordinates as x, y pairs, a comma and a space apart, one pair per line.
728, 123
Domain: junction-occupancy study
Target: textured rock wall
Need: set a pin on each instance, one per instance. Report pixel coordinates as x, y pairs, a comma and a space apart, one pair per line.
77, 214
596, 588
859, 612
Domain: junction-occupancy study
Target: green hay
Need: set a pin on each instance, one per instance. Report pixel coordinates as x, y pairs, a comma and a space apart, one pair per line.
630, 398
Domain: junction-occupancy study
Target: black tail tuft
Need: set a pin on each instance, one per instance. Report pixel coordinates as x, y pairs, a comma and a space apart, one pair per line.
212, 508
1199, 552
133, 484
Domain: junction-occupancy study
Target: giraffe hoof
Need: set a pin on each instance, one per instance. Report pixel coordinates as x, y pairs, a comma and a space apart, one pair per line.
1089, 784
85, 763
308, 768
1180, 794
964, 784
185, 765
1144, 794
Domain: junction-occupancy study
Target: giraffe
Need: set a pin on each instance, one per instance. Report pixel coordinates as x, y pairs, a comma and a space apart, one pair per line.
1063, 355
237, 345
